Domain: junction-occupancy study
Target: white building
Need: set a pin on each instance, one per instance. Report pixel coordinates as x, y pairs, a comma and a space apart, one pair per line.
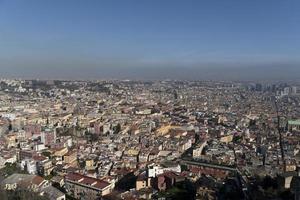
29, 165
7, 159
197, 152
294, 90
154, 170
39, 147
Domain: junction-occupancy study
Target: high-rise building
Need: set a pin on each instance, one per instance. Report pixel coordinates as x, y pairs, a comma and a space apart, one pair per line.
294, 90
48, 137
286, 91
258, 87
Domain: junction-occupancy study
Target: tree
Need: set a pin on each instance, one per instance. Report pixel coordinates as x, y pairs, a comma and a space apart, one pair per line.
10, 169
127, 182
46, 154
21, 194
10, 127
117, 129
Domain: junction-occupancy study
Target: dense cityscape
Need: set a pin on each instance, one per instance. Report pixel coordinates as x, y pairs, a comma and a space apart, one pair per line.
123, 139
149, 100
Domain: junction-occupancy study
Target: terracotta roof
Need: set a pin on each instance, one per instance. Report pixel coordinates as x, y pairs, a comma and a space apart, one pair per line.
40, 158
168, 174
70, 153
89, 181
74, 177
58, 148
142, 177
37, 180
101, 184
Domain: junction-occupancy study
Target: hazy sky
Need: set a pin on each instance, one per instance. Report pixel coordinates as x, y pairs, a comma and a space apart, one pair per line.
149, 38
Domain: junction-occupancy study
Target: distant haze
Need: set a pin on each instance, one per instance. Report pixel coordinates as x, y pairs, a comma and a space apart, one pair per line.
157, 39
286, 72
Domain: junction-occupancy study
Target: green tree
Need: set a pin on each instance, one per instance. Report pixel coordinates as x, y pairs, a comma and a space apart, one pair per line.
117, 129
21, 194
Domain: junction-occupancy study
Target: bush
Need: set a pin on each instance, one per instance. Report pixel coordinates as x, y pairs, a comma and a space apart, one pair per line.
21, 194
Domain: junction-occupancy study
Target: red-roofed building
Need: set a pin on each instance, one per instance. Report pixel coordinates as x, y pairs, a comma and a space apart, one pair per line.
44, 165
78, 186
166, 180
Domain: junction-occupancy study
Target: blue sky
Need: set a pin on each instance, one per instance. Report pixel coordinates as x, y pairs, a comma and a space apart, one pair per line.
90, 38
